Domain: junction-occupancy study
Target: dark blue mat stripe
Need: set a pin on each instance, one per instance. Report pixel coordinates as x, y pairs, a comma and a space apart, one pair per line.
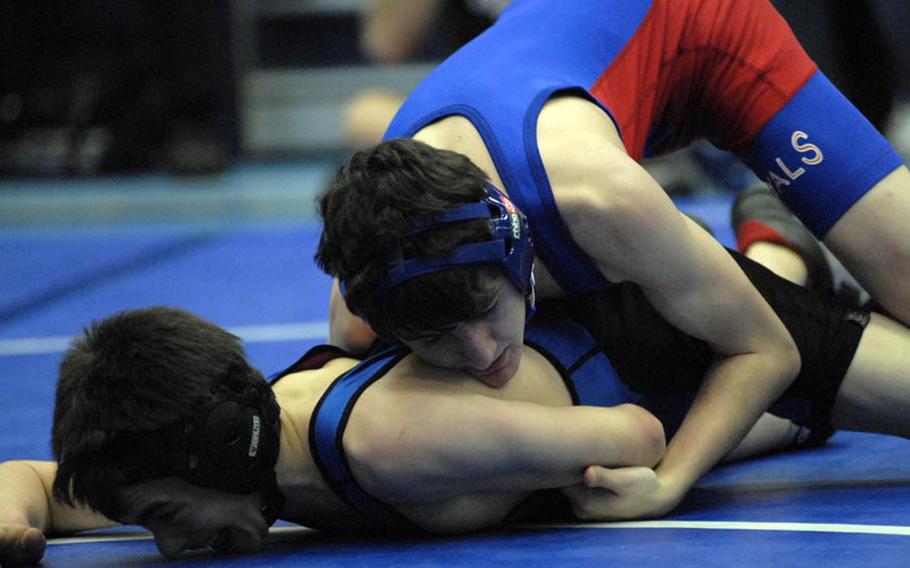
102, 275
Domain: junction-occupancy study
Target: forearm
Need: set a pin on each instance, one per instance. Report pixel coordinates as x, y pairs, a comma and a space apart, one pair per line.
471, 444
618, 436
26, 498
735, 393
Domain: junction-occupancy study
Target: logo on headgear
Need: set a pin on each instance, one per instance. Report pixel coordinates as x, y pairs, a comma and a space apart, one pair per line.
254, 440
513, 216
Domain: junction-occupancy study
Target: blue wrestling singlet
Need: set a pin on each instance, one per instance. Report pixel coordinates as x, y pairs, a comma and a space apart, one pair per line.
590, 378
667, 72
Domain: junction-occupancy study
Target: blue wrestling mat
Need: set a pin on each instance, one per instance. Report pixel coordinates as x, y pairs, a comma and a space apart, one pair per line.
847, 504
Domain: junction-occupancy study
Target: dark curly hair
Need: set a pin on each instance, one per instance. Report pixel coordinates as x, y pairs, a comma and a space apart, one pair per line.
122, 384
367, 207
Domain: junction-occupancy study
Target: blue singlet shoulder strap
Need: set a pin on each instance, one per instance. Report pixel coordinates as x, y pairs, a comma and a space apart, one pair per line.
330, 417
580, 360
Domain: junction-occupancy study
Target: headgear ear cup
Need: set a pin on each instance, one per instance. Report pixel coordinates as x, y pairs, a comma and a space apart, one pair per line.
235, 447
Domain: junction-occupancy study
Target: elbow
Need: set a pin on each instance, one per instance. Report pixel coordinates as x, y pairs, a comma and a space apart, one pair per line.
353, 338
774, 355
655, 440
348, 331
649, 435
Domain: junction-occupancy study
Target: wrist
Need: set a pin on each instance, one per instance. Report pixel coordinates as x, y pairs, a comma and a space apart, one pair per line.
673, 483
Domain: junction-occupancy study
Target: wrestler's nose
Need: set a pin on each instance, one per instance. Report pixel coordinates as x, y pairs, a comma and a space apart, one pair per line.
170, 543
478, 347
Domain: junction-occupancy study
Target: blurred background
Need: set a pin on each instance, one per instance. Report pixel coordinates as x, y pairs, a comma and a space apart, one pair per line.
121, 109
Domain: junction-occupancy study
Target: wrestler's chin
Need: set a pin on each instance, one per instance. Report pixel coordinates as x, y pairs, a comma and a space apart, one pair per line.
503, 370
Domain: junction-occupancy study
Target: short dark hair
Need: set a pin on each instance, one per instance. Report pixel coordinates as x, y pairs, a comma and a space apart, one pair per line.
367, 207
125, 379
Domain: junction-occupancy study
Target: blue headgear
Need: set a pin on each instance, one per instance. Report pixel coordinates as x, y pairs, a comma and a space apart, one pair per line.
510, 245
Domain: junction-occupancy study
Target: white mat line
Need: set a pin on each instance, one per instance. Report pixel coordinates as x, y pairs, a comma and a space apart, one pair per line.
114, 537
703, 525
741, 526
299, 331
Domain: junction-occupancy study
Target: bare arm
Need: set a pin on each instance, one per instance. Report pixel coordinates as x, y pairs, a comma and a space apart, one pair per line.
622, 218
345, 329
872, 241
28, 511
698, 288
458, 444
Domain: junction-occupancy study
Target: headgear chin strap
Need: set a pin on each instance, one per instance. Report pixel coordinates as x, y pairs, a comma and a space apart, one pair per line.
509, 245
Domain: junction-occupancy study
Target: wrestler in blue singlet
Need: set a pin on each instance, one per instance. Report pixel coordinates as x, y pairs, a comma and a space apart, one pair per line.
612, 348
667, 72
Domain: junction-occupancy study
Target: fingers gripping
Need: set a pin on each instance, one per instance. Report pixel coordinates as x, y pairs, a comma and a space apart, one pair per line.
621, 481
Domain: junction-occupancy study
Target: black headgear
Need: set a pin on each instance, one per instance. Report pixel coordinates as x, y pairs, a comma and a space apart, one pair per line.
234, 447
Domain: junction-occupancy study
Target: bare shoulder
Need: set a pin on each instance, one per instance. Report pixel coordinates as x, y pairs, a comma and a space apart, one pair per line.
585, 161
604, 196
576, 140
417, 435
444, 449
400, 444
395, 425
